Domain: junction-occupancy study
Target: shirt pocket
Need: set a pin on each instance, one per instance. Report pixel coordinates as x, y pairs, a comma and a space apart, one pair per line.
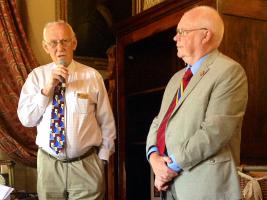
85, 103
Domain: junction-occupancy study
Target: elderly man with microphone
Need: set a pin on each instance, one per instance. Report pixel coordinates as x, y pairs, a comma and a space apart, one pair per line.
68, 103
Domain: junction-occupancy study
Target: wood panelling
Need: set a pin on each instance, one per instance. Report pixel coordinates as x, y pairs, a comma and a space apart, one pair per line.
245, 40
256, 9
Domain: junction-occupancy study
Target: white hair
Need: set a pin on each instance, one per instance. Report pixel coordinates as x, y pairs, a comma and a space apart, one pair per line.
55, 23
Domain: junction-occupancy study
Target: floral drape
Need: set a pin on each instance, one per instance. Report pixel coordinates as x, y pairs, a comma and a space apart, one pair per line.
16, 61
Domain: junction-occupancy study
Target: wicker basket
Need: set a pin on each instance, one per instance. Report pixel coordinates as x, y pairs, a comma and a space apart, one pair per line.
253, 182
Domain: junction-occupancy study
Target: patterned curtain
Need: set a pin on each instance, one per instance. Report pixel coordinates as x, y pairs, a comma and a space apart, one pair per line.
16, 61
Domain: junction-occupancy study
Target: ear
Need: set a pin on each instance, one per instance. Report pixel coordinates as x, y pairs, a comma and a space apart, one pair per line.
74, 44
207, 37
45, 47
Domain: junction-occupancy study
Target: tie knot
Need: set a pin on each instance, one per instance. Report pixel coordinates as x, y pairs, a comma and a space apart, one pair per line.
61, 85
188, 74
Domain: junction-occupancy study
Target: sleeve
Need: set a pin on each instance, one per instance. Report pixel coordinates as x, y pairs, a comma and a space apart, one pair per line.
32, 103
166, 101
106, 122
152, 135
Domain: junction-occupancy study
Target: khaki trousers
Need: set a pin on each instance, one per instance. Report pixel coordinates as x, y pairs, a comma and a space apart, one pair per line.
83, 180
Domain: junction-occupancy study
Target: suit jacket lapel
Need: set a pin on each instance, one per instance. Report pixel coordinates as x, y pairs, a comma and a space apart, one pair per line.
197, 77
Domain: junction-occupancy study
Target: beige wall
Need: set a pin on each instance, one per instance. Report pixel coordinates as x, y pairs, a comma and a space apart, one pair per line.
35, 14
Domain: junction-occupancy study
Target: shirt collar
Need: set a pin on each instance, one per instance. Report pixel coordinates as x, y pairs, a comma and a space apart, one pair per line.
196, 66
71, 66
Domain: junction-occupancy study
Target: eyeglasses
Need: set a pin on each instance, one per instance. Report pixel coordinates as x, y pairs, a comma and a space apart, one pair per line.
183, 32
54, 43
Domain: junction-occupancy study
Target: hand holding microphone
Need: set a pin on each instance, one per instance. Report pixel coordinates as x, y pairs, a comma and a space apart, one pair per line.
61, 71
59, 74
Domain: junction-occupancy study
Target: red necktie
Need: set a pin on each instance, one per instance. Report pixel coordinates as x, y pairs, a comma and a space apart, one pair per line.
162, 128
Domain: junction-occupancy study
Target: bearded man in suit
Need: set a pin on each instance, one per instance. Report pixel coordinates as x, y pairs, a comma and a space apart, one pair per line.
202, 133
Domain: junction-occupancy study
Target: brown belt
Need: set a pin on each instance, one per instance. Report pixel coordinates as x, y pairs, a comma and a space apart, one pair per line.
69, 160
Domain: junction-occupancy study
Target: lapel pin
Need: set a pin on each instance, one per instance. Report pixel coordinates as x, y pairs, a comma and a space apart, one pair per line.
202, 73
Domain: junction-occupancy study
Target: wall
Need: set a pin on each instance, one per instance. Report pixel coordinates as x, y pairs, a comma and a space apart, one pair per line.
35, 14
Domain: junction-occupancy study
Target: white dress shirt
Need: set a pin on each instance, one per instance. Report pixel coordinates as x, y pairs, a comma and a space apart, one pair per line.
89, 119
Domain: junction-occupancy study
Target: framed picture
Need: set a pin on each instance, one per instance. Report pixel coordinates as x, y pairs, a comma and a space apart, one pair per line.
140, 5
61, 9
92, 24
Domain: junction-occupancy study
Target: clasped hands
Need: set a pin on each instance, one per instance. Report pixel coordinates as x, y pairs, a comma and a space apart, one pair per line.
163, 174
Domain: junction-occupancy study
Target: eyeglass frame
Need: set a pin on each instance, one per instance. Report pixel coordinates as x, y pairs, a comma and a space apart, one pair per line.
53, 43
183, 32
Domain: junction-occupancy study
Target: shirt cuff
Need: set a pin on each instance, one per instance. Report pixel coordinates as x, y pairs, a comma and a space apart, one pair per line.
103, 154
173, 165
151, 150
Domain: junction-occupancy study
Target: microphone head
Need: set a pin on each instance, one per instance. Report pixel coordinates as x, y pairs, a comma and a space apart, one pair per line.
64, 63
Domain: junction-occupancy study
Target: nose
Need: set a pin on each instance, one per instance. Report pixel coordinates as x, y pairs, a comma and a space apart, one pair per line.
60, 46
174, 38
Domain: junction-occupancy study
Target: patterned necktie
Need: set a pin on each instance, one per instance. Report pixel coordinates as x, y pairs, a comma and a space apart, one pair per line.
162, 128
57, 128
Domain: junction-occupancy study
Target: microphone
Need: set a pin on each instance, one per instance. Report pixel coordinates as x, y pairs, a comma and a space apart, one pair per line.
64, 63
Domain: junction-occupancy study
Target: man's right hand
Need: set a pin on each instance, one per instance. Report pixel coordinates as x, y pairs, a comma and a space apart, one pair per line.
163, 174
57, 74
